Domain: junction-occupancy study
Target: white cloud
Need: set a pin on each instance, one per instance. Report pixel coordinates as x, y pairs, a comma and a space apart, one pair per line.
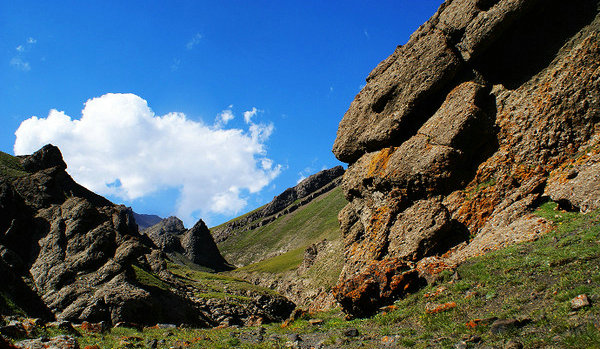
20, 48
120, 147
225, 116
31, 40
20, 64
249, 114
194, 41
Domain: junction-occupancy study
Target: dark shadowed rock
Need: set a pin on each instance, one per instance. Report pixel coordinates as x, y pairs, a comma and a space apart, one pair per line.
199, 246
378, 284
47, 157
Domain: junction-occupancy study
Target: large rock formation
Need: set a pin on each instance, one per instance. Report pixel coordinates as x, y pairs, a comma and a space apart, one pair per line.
68, 253
490, 107
196, 244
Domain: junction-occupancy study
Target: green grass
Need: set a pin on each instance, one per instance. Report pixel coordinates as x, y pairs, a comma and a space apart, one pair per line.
211, 285
278, 264
10, 166
148, 279
297, 230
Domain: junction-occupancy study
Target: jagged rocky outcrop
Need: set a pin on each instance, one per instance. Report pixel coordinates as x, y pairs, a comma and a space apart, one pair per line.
196, 244
490, 108
284, 203
68, 253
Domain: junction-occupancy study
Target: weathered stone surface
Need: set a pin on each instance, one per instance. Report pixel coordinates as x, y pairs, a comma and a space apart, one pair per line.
577, 185
420, 231
379, 284
58, 342
389, 109
489, 107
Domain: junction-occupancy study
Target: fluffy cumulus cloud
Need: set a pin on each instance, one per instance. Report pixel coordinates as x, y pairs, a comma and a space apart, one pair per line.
119, 147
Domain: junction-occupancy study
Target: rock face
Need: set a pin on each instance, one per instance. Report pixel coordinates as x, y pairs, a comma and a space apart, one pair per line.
71, 254
288, 201
491, 107
196, 244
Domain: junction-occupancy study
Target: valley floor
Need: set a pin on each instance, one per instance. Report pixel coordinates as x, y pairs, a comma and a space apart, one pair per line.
532, 295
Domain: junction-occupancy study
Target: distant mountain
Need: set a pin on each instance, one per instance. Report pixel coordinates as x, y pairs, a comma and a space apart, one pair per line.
146, 220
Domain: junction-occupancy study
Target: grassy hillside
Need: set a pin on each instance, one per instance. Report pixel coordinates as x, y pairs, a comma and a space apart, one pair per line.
287, 236
10, 166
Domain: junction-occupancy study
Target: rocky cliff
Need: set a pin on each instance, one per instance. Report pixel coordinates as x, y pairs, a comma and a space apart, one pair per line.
284, 203
196, 244
490, 108
71, 254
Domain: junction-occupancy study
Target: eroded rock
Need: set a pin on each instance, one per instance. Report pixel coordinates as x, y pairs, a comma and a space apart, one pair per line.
462, 132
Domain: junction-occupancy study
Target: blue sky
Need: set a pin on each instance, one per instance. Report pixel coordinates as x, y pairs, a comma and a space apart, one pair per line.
242, 97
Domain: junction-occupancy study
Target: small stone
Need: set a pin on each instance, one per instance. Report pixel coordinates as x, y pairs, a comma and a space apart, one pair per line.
152, 343
165, 326
387, 340
294, 337
513, 344
580, 301
503, 325
351, 332
315, 322
461, 345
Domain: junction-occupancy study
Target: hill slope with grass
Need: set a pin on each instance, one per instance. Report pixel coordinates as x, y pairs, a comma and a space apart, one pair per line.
299, 253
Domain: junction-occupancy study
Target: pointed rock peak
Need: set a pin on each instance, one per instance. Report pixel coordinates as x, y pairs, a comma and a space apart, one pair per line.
47, 157
201, 249
200, 227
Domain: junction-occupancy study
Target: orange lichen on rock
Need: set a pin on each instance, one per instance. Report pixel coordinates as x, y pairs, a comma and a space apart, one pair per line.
434, 308
378, 284
379, 162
